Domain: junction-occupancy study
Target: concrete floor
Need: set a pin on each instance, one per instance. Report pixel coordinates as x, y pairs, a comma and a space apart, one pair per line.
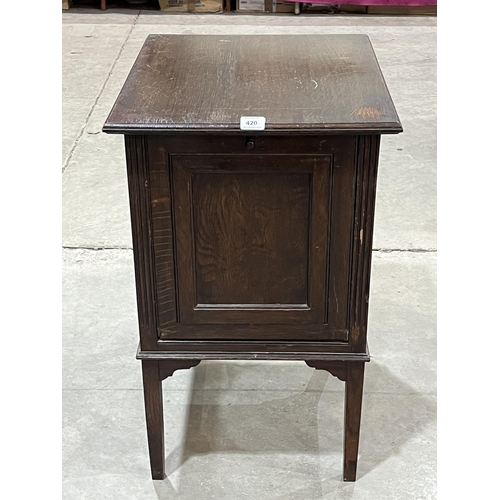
244, 429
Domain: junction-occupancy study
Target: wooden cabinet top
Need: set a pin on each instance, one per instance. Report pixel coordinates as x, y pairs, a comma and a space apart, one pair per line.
205, 83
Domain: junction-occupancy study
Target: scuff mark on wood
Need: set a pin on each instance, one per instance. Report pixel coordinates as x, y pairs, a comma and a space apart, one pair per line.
367, 112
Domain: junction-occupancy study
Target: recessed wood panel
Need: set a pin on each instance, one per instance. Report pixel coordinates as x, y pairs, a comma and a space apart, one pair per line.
251, 238
186, 307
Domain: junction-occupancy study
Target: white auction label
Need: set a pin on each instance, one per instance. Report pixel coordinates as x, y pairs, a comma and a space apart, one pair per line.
252, 123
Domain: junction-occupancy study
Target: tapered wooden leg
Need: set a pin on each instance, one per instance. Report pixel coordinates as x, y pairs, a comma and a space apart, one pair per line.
352, 417
103, 4
153, 402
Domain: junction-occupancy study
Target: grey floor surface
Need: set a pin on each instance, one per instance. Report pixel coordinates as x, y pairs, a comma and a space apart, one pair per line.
238, 430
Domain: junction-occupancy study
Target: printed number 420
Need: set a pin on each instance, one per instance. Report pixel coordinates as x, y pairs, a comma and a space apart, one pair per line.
252, 123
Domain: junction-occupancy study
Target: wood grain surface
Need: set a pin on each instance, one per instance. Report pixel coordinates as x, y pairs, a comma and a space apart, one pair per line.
190, 273
233, 349
182, 83
364, 213
140, 218
352, 417
153, 405
251, 236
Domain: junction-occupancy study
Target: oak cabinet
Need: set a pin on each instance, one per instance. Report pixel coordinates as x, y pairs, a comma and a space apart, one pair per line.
253, 244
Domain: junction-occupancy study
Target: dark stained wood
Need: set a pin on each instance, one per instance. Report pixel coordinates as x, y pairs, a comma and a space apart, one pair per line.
339, 196
153, 403
336, 368
169, 366
367, 164
252, 239
140, 214
341, 237
205, 83
205, 349
264, 143
163, 246
260, 330
352, 417
253, 246
253, 353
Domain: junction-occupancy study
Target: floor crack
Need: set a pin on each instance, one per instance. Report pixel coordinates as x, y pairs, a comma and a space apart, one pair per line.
381, 250
415, 250
96, 248
87, 119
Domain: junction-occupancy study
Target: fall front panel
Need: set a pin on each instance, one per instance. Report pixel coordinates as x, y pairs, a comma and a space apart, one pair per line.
251, 238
